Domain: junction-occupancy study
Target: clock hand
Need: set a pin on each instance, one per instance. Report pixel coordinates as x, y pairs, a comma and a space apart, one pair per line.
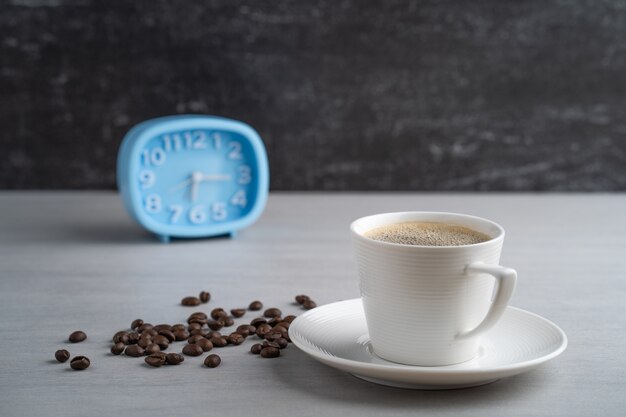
181, 185
216, 177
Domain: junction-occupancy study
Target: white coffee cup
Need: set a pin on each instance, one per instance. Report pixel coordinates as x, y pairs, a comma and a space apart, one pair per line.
428, 305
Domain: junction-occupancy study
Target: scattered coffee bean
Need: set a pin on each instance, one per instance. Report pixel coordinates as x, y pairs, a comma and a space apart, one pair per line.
256, 348
144, 327
300, 299
174, 358
198, 332
205, 344
194, 326
168, 335
273, 335
155, 360
284, 324
178, 327
228, 321
78, 336
199, 314
289, 318
212, 361
197, 320
255, 305
238, 312
270, 352
136, 323
162, 341
274, 321
219, 342
309, 304
192, 350
144, 341
149, 332
258, 321
244, 330
282, 343
134, 351
79, 363
194, 339
213, 333
272, 312
161, 327
216, 324
270, 344
190, 301
205, 296
118, 348
133, 338
262, 330
235, 339
152, 348
121, 336
62, 355
181, 335
217, 313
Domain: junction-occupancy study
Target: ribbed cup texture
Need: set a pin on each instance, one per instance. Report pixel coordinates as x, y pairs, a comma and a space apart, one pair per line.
416, 299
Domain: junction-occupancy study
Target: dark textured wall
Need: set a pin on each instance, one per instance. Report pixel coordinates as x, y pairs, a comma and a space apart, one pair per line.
370, 94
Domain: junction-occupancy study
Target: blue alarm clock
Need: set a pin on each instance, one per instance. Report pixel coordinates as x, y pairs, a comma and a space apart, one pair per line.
193, 176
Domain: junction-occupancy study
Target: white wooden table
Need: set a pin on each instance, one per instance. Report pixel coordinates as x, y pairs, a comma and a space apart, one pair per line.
75, 260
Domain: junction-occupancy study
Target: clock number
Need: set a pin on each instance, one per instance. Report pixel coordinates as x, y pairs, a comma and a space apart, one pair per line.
154, 157
199, 140
146, 178
218, 211
235, 151
171, 142
239, 199
217, 141
176, 211
197, 215
153, 203
244, 175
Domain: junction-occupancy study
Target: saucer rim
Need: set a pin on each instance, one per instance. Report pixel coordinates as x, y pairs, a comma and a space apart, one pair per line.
409, 369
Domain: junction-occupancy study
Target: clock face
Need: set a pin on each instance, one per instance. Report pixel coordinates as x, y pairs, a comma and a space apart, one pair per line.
196, 177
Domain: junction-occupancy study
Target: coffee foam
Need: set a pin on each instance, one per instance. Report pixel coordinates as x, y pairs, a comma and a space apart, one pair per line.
427, 234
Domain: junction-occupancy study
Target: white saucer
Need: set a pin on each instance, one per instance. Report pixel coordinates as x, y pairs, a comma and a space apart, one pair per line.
336, 334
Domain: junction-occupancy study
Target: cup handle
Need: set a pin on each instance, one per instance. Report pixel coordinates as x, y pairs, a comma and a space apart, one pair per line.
505, 282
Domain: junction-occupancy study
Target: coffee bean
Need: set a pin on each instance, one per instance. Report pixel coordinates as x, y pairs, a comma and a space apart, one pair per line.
162, 341
197, 332
262, 330
155, 360
205, 344
235, 339
194, 326
168, 335
136, 323
160, 327
256, 348
197, 320
144, 327
270, 344
219, 341
190, 301
118, 348
194, 339
216, 324
121, 336
134, 351
273, 335
258, 321
198, 314
181, 335
218, 312
149, 332
282, 343
174, 358
270, 352
152, 348
213, 333
178, 327
228, 321
309, 304
238, 312
244, 330
284, 324
272, 312
279, 328
133, 338
62, 355
255, 305
212, 361
78, 336
300, 299
79, 363
205, 296
144, 341
289, 318
274, 321
192, 350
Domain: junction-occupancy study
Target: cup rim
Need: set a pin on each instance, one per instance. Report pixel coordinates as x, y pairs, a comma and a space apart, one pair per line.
362, 237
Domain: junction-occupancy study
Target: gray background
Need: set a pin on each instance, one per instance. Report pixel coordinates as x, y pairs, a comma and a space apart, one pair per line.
366, 95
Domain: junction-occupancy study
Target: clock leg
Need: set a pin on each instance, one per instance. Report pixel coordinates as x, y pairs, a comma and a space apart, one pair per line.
164, 238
